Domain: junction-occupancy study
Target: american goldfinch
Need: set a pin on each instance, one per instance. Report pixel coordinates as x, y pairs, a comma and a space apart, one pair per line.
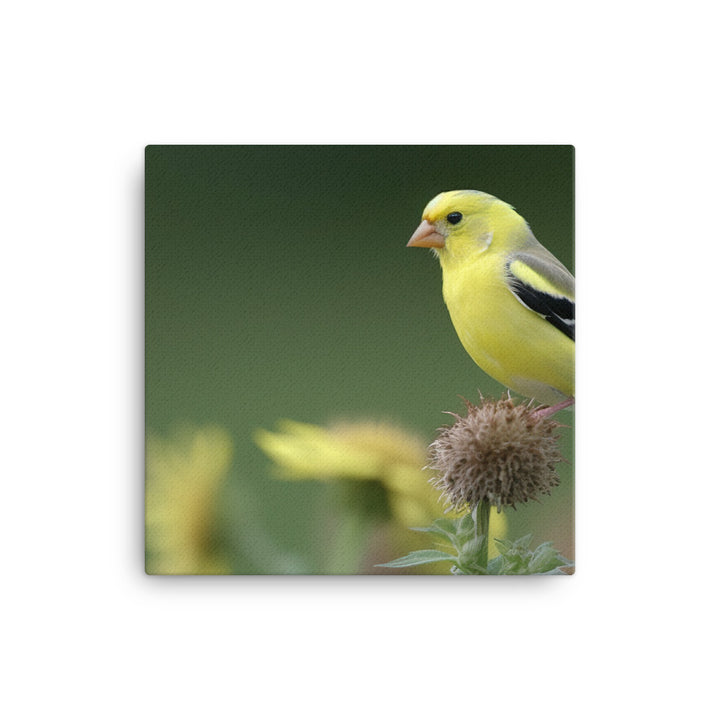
511, 301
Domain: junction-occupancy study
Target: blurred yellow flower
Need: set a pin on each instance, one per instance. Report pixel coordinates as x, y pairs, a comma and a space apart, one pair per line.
183, 478
362, 451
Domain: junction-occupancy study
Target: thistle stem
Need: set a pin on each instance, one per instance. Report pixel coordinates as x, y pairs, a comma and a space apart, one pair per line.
483, 516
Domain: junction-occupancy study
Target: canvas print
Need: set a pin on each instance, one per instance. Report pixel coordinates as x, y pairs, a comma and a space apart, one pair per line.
359, 360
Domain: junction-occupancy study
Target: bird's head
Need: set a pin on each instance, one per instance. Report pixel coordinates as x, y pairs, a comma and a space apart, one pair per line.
459, 222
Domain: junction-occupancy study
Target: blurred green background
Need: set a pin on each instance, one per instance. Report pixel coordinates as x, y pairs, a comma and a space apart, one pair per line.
278, 285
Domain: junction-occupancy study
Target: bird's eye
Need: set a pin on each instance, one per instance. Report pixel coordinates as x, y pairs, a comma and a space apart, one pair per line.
454, 218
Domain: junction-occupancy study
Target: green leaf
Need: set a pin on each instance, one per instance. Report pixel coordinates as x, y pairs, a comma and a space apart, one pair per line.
419, 557
471, 569
446, 524
515, 556
469, 556
442, 527
545, 559
432, 530
466, 525
524, 542
471, 548
495, 566
556, 571
503, 546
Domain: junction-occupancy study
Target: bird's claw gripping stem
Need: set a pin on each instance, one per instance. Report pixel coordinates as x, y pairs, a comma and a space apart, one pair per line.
547, 411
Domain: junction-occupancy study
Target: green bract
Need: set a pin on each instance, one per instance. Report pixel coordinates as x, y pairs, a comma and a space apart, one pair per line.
463, 547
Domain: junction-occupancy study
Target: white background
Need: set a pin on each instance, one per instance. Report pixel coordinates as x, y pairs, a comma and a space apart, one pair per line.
85, 634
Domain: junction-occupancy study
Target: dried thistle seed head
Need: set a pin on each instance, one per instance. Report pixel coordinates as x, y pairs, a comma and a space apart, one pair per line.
500, 452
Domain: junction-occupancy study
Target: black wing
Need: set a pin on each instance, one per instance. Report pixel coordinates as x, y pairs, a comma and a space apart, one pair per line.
542, 297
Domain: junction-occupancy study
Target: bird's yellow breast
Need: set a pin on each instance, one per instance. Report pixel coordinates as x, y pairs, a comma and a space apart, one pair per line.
508, 341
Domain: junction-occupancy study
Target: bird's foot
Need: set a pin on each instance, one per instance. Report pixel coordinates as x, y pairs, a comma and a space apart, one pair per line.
547, 411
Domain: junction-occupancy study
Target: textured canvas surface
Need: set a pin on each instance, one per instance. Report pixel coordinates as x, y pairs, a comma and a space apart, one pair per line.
299, 357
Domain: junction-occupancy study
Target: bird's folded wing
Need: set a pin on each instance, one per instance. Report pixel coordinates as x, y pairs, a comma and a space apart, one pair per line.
542, 284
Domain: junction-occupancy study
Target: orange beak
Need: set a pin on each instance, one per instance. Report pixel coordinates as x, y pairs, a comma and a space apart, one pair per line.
426, 236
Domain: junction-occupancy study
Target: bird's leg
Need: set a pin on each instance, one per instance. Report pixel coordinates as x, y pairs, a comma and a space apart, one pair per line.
547, 411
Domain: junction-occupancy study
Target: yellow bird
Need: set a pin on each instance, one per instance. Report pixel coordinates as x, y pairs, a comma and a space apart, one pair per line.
512, 302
